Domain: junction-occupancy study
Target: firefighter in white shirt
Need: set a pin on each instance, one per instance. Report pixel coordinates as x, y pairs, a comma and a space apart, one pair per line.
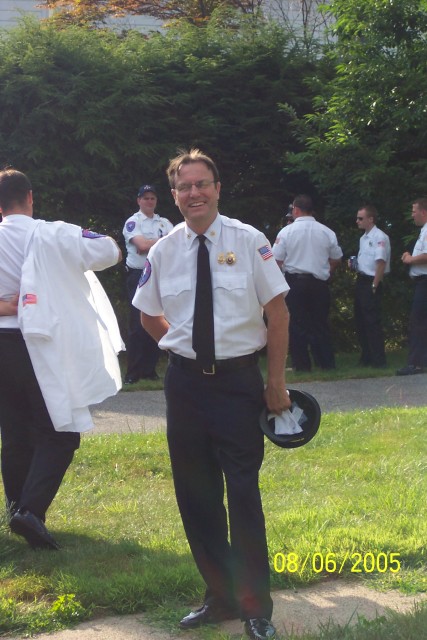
141, 232
34, 456
373, 262
417, 262
213, 412
308, 252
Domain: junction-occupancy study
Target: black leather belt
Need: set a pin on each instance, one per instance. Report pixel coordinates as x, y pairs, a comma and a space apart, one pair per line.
128, 269
220, 366
419, 277
364, 276
10, 330
299, 275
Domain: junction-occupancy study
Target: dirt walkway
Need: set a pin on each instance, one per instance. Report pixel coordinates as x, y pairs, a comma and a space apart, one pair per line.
294, 611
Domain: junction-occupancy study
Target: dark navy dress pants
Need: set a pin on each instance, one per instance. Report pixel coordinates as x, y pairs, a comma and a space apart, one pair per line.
214, 437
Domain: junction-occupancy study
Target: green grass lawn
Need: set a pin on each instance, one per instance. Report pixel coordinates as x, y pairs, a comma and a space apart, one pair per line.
356, 492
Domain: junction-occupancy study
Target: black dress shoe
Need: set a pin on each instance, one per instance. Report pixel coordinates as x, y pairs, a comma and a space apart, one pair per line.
33, 529
208, 614
259, 629
409, 370
129, 380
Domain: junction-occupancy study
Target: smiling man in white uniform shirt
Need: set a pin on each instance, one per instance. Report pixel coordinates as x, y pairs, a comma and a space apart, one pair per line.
212, 415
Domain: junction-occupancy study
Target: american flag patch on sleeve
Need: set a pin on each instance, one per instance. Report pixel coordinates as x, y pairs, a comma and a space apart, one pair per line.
265, 252
29, 298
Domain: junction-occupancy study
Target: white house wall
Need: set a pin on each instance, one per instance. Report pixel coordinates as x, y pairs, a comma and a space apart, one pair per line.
12, 10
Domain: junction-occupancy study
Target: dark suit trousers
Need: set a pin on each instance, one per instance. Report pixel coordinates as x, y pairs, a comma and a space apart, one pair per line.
142, 351
418, 325
367, 316
309, 301
213, 434
34, 457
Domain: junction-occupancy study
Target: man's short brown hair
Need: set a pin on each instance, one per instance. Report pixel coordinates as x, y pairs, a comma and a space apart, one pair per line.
14, 189
189, 157
303, 202
421, 203
371, 211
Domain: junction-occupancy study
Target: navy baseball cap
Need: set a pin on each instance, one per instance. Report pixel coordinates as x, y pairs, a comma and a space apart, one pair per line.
145, 188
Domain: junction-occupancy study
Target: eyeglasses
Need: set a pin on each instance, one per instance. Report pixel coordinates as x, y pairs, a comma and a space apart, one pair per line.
359, 218
185, 187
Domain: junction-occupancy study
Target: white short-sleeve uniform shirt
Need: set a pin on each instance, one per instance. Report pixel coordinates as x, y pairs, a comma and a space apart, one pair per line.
141, 225
374, 245
420, 247
245, 277
97, 252
305, 246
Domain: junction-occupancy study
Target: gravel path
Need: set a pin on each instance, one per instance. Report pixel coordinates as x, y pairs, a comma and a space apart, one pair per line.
144, 411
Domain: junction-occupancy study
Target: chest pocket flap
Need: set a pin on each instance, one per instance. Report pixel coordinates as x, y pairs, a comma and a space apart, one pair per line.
177, 297
231, 293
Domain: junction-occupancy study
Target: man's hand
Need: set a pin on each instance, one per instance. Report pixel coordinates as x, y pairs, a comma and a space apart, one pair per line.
406, 258
276, 397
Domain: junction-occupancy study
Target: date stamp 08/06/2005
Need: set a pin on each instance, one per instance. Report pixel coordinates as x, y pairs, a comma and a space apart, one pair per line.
330, 562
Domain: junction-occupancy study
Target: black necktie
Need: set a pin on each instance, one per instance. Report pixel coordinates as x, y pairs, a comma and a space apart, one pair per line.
203, 323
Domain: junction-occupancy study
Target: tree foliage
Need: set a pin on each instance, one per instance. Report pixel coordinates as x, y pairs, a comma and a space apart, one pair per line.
366, 139
90, 115
97, 11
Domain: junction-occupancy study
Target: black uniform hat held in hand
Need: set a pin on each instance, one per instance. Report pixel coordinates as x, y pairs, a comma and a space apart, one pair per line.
305, 409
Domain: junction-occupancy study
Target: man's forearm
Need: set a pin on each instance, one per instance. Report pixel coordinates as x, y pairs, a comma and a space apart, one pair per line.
277, 314
142, 244
379, 272
156, 326
9, 307
421, 258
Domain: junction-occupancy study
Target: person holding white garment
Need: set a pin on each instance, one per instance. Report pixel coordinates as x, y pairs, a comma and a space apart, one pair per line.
34, 454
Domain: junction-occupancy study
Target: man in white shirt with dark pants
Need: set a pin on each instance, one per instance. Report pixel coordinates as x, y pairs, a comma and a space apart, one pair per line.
417, 262
308, 252
213, 411
34, 456
141, 231
373, 262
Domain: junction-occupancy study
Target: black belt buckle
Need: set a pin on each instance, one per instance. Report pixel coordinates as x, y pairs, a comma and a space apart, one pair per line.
211, 372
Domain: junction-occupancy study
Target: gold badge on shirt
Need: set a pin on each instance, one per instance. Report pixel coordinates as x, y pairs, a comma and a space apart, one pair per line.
229, 258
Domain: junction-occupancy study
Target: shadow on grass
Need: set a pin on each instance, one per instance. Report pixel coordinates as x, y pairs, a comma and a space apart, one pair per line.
46, 590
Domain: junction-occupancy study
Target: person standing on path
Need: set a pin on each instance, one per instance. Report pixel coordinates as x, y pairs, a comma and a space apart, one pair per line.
141, 231
417, 261
373, 262
308, 252
53, 354
214, 389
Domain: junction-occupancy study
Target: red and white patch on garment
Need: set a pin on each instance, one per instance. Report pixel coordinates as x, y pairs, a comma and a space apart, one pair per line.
29, 298
265, 252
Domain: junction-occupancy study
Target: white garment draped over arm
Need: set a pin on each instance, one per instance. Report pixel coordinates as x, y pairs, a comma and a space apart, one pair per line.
69, 326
